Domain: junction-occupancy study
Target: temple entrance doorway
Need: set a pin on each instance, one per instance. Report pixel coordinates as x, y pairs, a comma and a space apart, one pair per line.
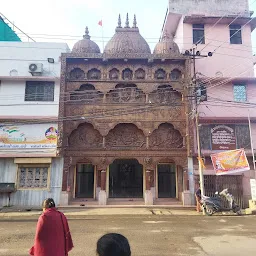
126, 179
166, 180
85, 180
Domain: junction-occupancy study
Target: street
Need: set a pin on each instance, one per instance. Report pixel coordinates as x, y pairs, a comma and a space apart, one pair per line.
148, 235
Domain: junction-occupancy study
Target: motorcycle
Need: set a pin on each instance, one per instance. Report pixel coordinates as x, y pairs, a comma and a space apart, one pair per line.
215, 204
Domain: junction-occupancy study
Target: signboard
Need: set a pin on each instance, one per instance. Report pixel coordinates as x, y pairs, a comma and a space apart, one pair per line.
253, 189
29, 136
223, 137
230, 162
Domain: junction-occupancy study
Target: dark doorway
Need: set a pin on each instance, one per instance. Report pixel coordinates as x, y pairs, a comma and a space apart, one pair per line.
166, 180
125, 179
85, 180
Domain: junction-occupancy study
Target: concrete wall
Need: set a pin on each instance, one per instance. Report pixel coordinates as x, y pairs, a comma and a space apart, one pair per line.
18, 56
12, 94
229, 59
15, 60
209, 7
8, 173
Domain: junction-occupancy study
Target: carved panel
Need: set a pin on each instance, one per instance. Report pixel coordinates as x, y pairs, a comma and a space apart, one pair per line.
114, 74
77, 74
140, 74
160, 74
165, 95
94, 74
85, 136
166, 137
126, 136
127, 74
126, 94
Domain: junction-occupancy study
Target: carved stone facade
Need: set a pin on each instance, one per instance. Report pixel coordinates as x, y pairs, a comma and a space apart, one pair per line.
118, 109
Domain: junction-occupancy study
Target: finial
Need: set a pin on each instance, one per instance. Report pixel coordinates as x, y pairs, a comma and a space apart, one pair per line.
166, 35
134, 22
119, 24
127, 21
86, 35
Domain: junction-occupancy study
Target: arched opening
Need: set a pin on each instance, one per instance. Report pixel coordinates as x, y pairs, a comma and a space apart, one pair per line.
126, 93
165, 94
77, 74
125, 179
175, 74
94, 74
86, 93
160, 74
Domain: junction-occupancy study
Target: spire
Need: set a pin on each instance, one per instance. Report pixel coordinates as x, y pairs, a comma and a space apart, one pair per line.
127, 21
119, 24
86, 35
134, 22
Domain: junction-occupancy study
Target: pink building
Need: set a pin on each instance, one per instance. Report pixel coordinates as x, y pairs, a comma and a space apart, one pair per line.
226, 80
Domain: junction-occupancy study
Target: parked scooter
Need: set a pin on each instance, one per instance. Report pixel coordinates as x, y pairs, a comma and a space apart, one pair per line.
215, 204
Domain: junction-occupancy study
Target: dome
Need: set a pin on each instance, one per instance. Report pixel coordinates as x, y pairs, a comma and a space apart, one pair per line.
86, 45
166, 46
127, 41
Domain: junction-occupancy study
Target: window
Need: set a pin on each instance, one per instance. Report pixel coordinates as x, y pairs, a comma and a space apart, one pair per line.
33, 177
240, 93
235, 34
198, 34
39, 91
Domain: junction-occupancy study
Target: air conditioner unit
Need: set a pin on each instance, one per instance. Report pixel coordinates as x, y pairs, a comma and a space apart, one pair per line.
35, 68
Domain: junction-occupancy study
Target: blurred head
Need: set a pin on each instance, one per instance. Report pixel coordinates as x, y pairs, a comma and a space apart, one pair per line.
48, 203
113, 244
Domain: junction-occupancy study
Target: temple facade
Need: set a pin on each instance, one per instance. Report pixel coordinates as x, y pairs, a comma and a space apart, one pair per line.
124, 131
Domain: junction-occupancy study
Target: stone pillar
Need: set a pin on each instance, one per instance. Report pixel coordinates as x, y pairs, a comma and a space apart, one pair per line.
148, 193
65, 194
103, 193
98, 184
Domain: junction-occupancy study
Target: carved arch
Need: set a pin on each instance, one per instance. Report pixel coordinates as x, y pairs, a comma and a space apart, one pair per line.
127, 74
126, 93
86, 137
166, 136
160, 74
76, 74
165, 94
175, 74
114, 74
94, 74
125, 136
87, 94
140, 74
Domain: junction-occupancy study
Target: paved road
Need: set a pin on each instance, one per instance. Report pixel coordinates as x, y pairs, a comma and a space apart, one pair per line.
148, 235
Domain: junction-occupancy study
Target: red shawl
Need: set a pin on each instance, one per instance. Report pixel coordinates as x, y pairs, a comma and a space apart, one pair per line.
52, 237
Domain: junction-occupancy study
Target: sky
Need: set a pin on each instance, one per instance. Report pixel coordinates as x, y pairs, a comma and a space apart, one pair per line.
65, 20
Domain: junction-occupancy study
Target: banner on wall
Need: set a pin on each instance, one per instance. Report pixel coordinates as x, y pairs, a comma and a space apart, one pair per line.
229, 162
29, 136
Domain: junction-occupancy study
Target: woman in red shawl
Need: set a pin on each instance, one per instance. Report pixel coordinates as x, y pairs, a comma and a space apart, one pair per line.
53, 237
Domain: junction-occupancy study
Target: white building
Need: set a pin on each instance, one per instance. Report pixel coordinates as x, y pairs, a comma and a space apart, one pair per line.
29, 103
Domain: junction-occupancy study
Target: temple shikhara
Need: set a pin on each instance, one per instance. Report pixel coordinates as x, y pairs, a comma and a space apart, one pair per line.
123, 132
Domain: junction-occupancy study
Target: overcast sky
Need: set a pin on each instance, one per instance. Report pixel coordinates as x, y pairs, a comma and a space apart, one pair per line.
65, 20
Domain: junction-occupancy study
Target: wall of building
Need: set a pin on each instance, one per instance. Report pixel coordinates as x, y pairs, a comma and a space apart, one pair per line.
8, 174
231, 60
18, 56
209, 7
217, 91
12, 97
